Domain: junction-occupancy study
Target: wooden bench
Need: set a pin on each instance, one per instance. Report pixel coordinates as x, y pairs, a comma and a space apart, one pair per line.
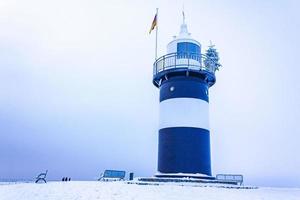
42, 177
112, 175
230, 178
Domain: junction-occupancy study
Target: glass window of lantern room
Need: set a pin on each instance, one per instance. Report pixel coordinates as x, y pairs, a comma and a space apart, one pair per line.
188, 50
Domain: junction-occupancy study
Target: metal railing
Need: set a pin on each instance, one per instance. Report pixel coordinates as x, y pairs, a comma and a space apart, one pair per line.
181, 61
236, 178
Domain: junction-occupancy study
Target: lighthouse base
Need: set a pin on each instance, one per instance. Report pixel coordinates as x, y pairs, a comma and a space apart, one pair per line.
195, 182
184, 175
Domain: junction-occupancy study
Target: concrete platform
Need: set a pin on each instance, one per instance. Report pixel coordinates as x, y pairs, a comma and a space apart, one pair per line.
189, 182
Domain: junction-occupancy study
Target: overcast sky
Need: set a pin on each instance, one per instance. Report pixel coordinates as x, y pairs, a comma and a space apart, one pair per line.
76, 93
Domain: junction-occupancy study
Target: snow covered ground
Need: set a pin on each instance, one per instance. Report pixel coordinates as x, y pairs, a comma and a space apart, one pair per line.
79, 190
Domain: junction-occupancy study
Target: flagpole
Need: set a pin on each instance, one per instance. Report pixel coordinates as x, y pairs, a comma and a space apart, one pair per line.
156, 33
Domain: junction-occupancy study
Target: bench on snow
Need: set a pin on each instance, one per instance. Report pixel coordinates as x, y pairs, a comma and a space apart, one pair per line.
230, 178
42, 177
112, 175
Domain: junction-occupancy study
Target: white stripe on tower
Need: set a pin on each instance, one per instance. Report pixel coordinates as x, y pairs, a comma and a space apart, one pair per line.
184, 112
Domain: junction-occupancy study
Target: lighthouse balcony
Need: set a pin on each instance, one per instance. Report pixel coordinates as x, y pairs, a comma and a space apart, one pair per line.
183, 64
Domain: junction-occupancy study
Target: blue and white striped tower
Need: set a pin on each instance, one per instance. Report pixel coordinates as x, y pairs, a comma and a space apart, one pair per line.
183, 77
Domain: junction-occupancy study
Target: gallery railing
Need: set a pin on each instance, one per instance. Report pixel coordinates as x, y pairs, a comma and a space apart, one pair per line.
195, 62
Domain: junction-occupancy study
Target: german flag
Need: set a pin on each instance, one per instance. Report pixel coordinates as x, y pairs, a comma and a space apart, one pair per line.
154, 24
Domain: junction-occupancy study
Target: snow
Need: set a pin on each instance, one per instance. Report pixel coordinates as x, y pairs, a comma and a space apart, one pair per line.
183, 174
80, 190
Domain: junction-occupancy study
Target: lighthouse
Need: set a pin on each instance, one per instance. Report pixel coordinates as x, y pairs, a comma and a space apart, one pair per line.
183, 76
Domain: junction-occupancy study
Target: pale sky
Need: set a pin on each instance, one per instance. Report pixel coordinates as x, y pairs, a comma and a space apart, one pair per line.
76, 93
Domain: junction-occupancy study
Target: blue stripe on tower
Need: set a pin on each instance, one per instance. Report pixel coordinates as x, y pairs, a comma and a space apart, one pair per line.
184, 87
184, 139
184, 150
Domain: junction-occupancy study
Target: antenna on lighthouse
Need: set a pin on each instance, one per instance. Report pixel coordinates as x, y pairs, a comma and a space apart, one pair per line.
183, 28
183, 15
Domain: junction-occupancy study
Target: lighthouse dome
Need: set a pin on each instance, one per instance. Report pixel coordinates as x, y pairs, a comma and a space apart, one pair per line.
184, 43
